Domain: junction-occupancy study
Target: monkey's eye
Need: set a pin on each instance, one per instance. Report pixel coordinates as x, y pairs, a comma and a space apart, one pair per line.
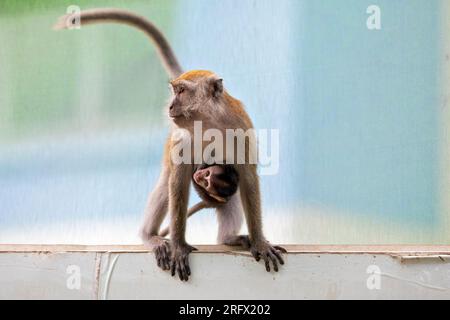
180, 90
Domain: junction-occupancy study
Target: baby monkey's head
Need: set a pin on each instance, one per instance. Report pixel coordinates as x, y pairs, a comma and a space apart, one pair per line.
220, 182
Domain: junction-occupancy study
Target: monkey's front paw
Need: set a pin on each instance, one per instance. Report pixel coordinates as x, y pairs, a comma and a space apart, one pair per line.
180, 261
269, 254
161, 249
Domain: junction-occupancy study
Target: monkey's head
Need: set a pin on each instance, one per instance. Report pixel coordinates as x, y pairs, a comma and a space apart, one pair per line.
195, 93
218, 182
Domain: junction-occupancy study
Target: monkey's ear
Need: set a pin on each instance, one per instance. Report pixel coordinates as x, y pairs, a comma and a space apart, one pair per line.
216, 87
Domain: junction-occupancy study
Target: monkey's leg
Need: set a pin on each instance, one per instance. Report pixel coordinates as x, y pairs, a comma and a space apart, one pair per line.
179, 183
155, 211
230, 217
251, 201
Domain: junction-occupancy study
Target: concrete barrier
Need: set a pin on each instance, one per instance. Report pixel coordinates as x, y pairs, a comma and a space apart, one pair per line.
311, 272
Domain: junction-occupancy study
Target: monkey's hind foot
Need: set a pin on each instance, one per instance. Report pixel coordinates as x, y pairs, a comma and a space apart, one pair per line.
269, 253
242, 241
161, 249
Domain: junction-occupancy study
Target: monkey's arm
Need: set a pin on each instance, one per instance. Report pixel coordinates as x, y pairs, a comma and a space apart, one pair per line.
193, 210
179, 183
106, 15
250, 196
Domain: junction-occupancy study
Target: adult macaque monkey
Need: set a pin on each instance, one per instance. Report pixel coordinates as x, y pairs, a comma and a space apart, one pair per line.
197, 96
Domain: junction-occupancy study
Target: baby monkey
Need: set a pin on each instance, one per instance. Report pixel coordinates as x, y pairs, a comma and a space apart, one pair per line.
215, 184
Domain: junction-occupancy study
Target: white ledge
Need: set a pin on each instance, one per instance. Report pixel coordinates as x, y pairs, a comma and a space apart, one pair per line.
292, 249
220, 272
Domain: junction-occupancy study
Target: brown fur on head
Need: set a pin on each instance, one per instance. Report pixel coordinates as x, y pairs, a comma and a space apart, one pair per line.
196, 94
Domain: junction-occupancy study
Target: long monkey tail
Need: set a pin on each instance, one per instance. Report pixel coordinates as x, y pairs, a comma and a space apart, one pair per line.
106, 15
196, 208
